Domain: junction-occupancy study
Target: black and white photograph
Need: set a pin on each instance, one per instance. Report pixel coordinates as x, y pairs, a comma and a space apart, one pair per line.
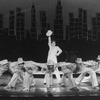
49, 48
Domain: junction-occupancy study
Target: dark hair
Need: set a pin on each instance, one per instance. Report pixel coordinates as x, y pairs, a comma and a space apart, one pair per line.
53, 41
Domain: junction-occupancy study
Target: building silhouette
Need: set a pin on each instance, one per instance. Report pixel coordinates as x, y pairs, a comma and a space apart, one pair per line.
11, 31
33, 33
58, 22
77, 28
84, 24
20, 24
71, 26
80, 23
96, 27
89, 37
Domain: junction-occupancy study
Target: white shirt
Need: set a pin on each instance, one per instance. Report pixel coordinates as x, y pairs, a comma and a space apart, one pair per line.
52, 54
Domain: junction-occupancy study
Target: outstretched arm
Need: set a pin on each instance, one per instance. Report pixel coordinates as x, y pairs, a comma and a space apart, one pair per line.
42, 65
49, 33
63, 64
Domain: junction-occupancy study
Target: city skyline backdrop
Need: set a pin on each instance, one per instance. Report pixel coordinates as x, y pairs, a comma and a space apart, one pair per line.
49, 6
88, 13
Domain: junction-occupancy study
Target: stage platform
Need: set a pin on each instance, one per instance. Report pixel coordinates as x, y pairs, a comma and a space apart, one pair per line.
40, 90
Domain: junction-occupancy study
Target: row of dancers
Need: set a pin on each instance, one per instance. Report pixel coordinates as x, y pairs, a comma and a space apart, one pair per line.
23, 70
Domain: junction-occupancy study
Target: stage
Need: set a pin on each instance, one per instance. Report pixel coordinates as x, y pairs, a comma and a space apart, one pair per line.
40, 90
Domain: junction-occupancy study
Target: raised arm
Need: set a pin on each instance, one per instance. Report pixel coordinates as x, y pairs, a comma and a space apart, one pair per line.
49, 33
49, 41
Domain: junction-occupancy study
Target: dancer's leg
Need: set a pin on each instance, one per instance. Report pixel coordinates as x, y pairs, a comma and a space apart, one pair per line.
26, 81
13, 80
57, 73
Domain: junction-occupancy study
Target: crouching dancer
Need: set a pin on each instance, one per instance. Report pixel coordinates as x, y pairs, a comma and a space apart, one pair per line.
68, 69
83, 71
17, 68
29, 80
50, 68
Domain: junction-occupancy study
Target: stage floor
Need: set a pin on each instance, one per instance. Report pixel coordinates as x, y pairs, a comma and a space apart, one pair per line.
39, 90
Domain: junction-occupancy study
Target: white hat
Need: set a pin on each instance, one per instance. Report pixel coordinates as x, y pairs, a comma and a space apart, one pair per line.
98, 58
79, 60
20, 60
49, 33
13, 64
4, 62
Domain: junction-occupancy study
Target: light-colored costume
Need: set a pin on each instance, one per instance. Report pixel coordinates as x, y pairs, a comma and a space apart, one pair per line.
97, 66
83, 71
53, 52
29, 80
50, 68
68, 69
17, 71
94, 65
4, 66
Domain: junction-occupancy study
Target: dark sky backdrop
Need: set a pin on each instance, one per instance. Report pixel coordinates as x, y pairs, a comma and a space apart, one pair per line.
92, 7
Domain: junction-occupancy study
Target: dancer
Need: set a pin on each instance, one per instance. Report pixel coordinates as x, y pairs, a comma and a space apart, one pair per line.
4, 66
68, 69
17, 68
95, 65
83, 71
29, 80
22, 71
50, 67
53, 52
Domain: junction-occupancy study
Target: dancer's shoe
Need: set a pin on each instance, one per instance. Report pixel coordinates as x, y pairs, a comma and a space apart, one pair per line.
7, 88
74, 89
26, 90
96, 88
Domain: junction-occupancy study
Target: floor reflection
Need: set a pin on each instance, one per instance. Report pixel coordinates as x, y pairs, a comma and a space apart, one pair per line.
56, 90
40, 90
43, 89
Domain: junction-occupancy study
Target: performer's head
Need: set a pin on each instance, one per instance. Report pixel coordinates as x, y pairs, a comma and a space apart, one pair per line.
4, 63
79, 61
20, 62
53, 43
